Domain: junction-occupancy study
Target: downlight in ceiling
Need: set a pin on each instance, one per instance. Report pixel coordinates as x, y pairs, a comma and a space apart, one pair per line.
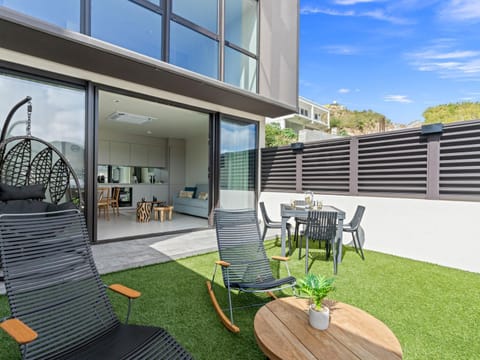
130, 118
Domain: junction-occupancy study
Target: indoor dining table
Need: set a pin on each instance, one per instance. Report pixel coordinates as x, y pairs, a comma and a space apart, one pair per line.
287, 212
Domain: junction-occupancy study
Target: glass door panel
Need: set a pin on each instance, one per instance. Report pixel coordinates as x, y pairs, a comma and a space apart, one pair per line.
238, 164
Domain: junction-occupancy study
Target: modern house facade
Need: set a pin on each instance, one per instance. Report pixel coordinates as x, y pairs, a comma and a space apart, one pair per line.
311, 122
153, 96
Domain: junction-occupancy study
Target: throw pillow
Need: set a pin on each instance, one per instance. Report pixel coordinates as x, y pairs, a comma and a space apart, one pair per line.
203, 196
186, 194
9, 192
193, 189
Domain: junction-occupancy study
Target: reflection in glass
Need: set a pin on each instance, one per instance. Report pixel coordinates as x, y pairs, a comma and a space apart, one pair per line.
193, 51
238, 163
65, 14
240, 70
58, 115
203, 13
129, 25
241, 22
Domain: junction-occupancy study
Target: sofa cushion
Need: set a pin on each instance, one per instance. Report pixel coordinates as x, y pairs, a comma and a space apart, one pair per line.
192, 189
185, 194
23, 206
202, 188
203, 196
9, 192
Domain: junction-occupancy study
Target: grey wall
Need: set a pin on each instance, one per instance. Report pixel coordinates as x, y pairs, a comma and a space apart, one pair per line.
278, 69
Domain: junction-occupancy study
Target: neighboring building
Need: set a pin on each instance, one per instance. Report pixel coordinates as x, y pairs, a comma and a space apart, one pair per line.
310, 123
153, 95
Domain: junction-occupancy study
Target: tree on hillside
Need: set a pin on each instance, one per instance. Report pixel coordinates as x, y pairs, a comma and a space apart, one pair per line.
356, 122
276, 136
448, 113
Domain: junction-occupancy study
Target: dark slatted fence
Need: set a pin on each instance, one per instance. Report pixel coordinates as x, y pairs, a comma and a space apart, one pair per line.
404, 163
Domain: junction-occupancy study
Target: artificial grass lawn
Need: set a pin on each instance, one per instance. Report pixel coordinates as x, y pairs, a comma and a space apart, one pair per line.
434, 311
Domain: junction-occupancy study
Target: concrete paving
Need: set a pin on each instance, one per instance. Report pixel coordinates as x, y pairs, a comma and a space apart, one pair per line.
122, 255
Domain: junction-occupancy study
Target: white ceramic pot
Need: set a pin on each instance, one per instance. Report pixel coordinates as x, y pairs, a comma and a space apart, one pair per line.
319, 319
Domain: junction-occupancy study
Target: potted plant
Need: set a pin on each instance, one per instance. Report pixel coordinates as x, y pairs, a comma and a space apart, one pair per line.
317, 287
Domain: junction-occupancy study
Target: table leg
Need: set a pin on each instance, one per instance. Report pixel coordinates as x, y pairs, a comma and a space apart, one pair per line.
283, 234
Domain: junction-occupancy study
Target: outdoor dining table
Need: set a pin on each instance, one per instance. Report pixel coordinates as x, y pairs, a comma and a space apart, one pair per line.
287, 212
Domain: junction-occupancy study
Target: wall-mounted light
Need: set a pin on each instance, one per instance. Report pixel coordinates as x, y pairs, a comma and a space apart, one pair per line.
297, 147
432, 129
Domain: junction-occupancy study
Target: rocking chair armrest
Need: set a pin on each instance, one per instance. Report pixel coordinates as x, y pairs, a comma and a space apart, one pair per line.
222, 263
280, 258
125, 291
20, 332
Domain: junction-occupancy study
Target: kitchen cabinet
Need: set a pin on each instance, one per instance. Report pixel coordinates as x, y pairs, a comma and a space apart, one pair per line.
148, 191
103, 152
157, 156
119, 153
138, 155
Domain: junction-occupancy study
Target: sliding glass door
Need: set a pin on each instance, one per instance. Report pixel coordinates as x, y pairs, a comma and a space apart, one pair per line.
238, 163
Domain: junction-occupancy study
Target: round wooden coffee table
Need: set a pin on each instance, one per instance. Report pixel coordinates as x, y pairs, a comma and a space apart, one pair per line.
283, 332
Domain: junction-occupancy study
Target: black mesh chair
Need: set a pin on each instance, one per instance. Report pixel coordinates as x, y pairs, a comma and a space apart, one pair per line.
244, 262
321, 226
270, 224
59, 305
353, 228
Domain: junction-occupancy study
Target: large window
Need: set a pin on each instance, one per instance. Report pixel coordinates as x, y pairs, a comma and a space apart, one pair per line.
193, 35
193, 51
58, 115
240, 70
129, 25
202, 13
65, 14
238, 164
241, 18
241, 23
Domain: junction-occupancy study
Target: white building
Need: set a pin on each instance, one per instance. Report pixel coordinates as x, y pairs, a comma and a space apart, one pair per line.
311, 122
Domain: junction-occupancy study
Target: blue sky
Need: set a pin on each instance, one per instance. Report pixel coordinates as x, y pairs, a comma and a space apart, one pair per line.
396, 57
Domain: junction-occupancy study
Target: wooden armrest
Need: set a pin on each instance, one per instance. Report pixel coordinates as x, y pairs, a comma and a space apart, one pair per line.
20, 332
280, 258
125, 291
222, 263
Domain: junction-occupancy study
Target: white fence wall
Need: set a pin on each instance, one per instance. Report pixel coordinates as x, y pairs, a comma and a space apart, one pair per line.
440, 232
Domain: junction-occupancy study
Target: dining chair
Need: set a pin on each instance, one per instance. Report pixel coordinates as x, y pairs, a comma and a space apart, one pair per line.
299, 221
102, 202
270, 224
321, 226
353, 226
113, 199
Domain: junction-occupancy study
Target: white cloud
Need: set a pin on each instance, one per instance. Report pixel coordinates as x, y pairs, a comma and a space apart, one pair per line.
353, 2
344, 91
397, 98
341, 49
447, 61
374, 14
461, 10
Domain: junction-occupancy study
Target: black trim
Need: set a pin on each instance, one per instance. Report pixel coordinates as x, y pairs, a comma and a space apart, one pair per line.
241, 50
91, 160
192, 26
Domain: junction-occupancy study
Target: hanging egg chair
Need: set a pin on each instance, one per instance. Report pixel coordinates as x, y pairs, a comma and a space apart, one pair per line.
28, 160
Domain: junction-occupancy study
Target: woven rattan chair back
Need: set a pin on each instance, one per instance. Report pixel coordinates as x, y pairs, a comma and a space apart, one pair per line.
52, 282
28, 160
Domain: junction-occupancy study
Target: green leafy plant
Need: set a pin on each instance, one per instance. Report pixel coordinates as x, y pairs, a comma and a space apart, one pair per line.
316, 287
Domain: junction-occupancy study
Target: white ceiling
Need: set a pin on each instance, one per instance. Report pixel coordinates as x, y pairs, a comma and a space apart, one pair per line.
170, 121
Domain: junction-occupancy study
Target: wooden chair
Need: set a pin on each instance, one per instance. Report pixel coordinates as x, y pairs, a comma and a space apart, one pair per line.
113, 199
103, 203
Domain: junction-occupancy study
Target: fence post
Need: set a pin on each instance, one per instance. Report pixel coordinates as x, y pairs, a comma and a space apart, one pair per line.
299, 172
433, 166
353, 178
